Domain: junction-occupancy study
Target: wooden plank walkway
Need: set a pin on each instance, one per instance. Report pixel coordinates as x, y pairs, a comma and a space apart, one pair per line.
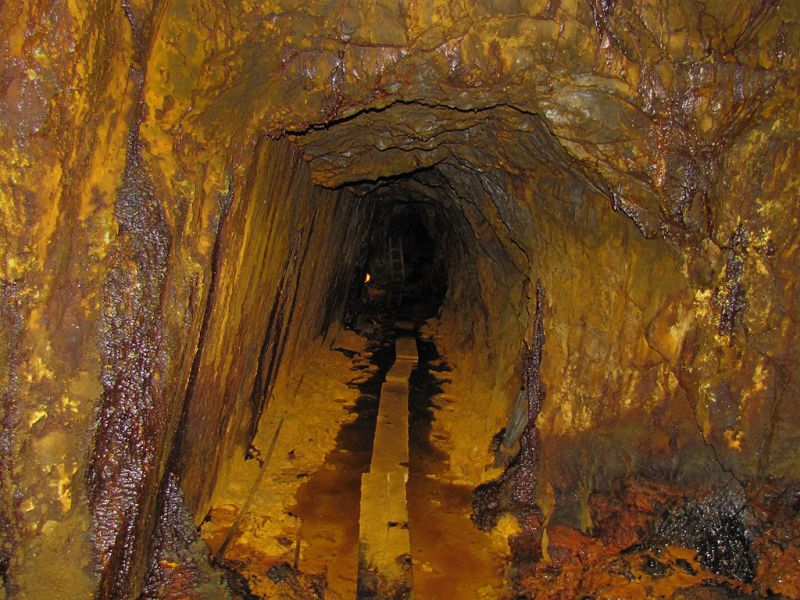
385, 569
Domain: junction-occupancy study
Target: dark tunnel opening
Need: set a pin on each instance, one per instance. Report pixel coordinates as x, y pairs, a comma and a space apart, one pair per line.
412, 250
405, 269
446, 255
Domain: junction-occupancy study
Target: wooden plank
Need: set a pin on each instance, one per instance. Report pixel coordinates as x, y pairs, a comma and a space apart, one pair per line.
385, 565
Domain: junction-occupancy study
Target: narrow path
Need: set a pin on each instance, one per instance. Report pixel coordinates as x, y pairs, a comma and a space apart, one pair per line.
381, 518
384, 543
328, 502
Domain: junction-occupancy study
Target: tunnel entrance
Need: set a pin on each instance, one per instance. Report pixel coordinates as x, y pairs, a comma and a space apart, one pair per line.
443, 257
405, 270
293, 517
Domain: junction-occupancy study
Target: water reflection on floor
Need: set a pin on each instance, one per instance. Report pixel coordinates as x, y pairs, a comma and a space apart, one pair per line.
328, 503
452, 559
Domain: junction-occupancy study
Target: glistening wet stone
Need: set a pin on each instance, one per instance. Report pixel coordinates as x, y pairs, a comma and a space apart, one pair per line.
329, 500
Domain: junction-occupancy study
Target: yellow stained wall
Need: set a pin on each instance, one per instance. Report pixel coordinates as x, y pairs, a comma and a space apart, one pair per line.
286, 250
65, 112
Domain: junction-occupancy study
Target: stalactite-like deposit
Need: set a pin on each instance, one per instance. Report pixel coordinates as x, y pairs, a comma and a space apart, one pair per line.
515, 490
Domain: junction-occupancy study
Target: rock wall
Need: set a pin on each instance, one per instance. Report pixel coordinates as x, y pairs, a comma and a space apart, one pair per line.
68, 110
285, 260
111, 248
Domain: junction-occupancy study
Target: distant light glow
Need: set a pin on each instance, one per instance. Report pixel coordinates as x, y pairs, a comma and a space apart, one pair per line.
367, 278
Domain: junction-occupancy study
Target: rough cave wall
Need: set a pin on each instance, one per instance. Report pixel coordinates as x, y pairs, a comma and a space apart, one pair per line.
618, 309
69, 103
286, 257
483, 317
108, 243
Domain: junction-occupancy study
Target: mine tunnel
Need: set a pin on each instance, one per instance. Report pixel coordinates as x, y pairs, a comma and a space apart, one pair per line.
405, 273
382, 300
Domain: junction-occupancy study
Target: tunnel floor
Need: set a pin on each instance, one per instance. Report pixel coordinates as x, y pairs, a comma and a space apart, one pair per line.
328, 503
452, 558
287, 524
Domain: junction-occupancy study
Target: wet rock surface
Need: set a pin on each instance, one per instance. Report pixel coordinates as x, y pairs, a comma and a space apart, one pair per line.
577, 566
181, 565
450, 555
720, 528
515, 491
287, 521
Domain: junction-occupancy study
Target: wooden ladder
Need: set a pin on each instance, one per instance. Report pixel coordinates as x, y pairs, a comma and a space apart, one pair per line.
397, 269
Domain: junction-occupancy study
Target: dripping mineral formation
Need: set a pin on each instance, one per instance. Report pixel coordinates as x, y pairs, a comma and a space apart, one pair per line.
377, 299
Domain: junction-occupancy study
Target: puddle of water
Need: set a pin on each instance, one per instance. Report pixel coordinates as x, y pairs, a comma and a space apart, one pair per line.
452, 558
328, 503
